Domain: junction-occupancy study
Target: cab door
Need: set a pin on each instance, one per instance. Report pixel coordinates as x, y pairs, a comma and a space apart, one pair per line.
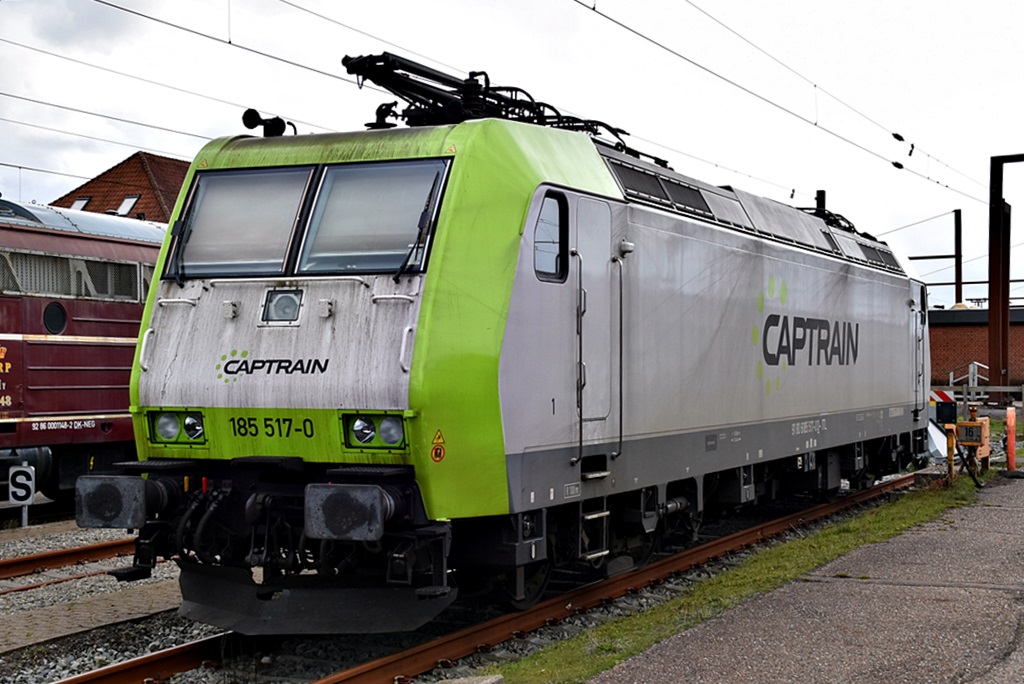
592, 263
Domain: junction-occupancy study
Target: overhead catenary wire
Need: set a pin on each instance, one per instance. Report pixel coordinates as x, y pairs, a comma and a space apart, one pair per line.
766, 100
331, 20
35, 169
89, 137
896, 164
916, 223
231, 43
792, 191
967, 261
103, 116
818, 88
141, 79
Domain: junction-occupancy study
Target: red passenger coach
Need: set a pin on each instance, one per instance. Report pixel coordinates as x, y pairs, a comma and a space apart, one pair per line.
72, 289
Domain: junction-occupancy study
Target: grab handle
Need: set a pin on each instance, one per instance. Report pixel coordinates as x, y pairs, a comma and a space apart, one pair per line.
144, 347
405, 344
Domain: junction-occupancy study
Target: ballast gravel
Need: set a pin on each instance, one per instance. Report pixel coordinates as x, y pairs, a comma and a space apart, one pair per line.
284, 661
62, 657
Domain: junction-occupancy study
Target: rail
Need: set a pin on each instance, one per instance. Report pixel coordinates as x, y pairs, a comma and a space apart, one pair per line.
161, 665
158, 666
48, 560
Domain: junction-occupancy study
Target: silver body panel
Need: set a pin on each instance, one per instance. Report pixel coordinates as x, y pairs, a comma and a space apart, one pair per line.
370, 322
696, 393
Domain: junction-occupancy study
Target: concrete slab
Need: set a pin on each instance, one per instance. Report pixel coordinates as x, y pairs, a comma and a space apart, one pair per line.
940, 603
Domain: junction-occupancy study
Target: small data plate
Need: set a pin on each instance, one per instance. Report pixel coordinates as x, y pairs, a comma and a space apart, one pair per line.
969, 434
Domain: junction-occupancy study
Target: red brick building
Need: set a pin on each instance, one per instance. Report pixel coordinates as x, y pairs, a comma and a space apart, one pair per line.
960, 336
144, 183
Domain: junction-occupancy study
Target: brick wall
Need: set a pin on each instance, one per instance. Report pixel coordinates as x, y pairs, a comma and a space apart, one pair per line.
954, 346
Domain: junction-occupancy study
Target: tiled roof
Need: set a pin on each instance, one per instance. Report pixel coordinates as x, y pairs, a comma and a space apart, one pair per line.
156, 179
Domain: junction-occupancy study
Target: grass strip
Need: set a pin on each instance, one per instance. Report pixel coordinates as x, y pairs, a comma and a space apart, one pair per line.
584, 656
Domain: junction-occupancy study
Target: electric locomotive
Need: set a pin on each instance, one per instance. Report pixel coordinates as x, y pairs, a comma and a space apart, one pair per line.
382, 366
72, 288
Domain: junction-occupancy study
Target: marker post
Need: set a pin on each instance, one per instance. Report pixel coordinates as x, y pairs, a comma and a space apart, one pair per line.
21, 488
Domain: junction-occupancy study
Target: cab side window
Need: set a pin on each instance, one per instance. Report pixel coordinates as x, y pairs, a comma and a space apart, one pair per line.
551, 240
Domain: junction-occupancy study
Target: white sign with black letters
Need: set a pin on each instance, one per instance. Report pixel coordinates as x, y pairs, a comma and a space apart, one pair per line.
22, 485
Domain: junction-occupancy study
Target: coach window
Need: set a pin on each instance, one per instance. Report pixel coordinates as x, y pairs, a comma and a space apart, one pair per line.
551, 239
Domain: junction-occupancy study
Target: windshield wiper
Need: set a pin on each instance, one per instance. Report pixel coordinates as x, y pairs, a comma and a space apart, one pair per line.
177, 263
421, 226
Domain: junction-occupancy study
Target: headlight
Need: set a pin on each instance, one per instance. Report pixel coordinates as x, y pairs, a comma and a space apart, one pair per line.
282, 306
373, 430
167, 426
363, 430
177, 427
194, 426
391, 431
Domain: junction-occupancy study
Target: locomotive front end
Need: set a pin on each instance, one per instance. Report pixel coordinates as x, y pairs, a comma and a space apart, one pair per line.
271, 387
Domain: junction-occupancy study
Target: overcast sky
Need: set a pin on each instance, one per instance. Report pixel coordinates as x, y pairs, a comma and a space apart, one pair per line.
777, 97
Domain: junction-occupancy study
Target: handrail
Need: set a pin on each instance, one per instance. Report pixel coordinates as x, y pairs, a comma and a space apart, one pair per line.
972, 373
977, 388
178, 300
408, 299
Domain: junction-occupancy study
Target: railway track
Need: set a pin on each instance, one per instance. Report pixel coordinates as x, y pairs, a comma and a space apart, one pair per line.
23, 566
445, 650
62, 558
51, 599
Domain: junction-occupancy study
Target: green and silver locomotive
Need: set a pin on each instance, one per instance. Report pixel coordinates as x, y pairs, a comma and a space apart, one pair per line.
381, 366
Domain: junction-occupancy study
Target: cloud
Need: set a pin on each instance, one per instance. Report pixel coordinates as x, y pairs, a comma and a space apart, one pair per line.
88, 26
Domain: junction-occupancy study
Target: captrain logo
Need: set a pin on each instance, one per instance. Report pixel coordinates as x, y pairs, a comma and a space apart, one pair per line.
770, 376
224, 360
785, 341
238, 363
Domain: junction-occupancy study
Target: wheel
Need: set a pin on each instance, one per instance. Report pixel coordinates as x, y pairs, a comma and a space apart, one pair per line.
535, 580
638, 548
642, 551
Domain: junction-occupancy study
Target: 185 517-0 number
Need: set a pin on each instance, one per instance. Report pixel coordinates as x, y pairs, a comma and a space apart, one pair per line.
271, 427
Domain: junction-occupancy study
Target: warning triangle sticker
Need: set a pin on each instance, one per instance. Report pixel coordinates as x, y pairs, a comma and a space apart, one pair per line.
438, 438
